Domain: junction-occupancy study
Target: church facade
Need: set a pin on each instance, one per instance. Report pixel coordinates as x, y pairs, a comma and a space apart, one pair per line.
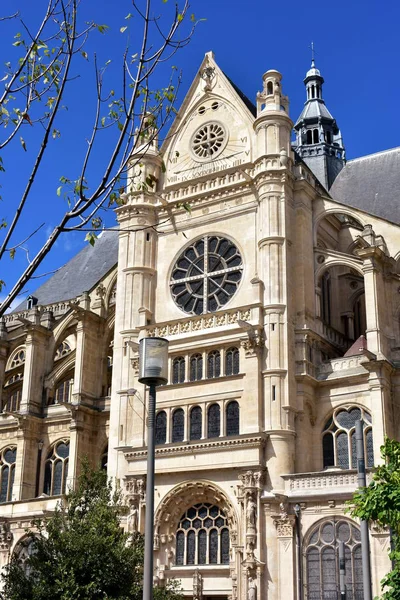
275, 278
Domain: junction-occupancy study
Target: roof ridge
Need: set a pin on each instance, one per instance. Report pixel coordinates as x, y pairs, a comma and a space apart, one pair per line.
396, 148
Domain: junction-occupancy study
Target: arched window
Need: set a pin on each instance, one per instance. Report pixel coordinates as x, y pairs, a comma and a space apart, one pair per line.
315, 136
104, 459
213, 364
161, 427
270, 88
178, 369
232, 361
63, 391
202, 536
24, 550
196, 367
7, 472
63, 349
232, 418
17, 359
214, 421
360, 320
322, 559
313, 91
339, 439
309, 136
195, 423
178, 425
56, 469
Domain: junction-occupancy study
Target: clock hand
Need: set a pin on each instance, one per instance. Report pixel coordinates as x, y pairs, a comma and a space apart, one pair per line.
207, 163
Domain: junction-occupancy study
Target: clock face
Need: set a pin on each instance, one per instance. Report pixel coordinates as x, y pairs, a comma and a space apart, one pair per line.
212, 139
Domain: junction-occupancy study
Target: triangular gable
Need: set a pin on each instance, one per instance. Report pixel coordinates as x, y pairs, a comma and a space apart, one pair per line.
213, 108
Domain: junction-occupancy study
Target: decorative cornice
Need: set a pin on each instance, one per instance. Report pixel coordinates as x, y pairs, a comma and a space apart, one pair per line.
255, 441
201, 323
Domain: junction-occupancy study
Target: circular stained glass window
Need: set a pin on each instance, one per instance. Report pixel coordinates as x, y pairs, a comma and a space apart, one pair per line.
209, 141
206, 275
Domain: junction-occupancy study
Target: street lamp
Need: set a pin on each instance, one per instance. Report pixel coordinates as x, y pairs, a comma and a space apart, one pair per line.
297, 512
153, 371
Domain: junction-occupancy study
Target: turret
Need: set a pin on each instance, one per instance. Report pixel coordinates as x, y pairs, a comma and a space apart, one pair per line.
318, 139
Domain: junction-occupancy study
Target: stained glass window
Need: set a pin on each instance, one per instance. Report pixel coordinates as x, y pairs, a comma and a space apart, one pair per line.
202, 536
225, 546
232, 418
161, 427
214, 421
213, 546
196, 367
322, 566
339, 443
180, 547
178, 369
7, 468
56, 469
232, 361
213, 364
178, 425
202, 556
195, 423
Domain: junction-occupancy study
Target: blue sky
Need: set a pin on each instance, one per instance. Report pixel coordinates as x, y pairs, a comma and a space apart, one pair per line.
357, 52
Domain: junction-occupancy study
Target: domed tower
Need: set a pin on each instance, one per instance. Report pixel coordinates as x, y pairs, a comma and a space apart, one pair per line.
318, 139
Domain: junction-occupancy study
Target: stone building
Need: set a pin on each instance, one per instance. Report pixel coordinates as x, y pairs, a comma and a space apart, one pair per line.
279, 295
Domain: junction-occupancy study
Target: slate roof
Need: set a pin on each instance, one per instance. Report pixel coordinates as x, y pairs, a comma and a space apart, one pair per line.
243, 97
81, 273
313, 109
371, 183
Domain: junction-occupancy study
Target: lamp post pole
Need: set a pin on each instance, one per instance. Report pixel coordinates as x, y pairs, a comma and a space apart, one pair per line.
153, 371
149, 523
362, 483
297, 512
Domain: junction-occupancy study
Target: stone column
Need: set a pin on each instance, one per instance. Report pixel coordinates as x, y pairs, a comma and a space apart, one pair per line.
284, 524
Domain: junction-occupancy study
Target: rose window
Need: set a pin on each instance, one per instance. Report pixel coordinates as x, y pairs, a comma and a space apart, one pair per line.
206, 275
209, 140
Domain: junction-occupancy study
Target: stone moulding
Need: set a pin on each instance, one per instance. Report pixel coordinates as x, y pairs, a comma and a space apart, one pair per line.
203, 447
329, 482
199, 323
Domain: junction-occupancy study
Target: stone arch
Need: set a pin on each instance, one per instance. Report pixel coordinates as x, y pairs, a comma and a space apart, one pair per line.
182, 497
344, 210
308, 534
334, 261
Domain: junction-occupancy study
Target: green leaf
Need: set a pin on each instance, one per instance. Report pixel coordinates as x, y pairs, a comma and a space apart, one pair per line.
59, 190
91, 238
103, 121
180, 18
84, 54
12, 253
23, 143
122, 29
2, 284
163, 167
129, 16
102, 28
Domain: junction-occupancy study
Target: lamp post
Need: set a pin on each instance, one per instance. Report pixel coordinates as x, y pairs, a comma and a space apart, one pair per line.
153, 371
362, 483
297, 512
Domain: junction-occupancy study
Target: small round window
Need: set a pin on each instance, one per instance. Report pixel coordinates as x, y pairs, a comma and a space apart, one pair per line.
209, 141
206, 275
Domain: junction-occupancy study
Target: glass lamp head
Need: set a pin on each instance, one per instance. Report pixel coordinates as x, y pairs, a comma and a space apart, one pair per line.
153, 361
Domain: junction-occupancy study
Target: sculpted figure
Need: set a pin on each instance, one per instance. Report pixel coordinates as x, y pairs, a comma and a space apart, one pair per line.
251, 513
252, 591
133, 518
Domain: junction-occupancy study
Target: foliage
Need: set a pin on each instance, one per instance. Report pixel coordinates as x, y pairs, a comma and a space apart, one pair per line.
81, 552
32, 95
380, 502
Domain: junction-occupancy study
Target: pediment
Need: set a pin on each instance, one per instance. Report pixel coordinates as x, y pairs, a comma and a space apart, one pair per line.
212, 131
